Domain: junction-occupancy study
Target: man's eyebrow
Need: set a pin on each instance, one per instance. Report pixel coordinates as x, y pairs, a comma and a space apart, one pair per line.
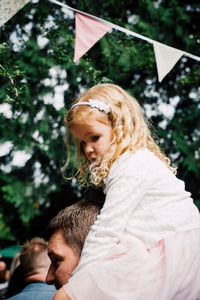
51, 253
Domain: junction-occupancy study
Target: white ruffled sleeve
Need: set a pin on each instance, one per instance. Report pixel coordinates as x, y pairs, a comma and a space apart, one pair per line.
125, 188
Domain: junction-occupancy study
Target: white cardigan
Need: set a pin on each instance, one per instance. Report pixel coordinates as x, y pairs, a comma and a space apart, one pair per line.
144, 200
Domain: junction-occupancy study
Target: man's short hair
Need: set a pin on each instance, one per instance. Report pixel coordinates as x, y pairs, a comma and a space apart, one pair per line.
33, 256
75, 222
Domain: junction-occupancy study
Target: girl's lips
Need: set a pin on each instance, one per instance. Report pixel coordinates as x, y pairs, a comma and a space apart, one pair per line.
93, 159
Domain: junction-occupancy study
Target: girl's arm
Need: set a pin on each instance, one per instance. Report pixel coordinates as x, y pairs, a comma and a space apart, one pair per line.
125, 189
61, 295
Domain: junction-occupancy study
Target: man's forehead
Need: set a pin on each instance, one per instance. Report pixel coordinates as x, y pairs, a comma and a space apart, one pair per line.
56, 240
57, 243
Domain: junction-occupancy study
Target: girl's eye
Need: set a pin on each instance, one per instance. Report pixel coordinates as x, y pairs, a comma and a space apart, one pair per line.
95, 138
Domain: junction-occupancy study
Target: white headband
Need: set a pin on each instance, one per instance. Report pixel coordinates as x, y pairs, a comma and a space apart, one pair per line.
94, 104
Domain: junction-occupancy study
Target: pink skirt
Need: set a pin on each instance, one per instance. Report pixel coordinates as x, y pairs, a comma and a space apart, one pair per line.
168, 271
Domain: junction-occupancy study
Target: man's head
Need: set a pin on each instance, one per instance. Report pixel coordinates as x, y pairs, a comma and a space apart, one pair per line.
34, 260
66, 233
3, 270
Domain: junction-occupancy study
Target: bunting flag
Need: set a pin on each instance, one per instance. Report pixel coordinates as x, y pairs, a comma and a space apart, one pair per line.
8, 8
86, 36
90, 29
88, 32
166, 58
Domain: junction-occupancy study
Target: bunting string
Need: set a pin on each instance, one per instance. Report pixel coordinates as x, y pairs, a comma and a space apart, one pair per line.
129, 32
117, 27
90, 29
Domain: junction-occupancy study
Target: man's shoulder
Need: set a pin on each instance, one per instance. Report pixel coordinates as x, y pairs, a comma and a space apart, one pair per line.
35, 291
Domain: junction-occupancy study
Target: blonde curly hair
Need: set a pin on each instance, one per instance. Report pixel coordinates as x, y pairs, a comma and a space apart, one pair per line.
131, 130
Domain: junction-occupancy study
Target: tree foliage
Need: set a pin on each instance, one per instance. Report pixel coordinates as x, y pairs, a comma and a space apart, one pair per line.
37, 73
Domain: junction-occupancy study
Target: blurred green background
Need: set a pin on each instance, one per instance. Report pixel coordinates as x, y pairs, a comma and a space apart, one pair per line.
39, 81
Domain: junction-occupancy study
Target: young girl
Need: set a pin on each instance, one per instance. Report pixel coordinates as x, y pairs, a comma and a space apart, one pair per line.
145, 244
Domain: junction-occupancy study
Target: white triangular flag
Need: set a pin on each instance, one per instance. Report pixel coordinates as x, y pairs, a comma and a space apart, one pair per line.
166, 58
9, 8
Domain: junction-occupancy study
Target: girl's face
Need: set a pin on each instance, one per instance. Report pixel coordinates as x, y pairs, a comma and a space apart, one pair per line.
95, 138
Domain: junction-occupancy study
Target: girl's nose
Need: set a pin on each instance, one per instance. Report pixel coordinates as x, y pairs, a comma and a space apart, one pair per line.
88, 148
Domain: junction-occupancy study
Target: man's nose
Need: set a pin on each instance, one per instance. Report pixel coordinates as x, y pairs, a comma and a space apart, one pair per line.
50, 276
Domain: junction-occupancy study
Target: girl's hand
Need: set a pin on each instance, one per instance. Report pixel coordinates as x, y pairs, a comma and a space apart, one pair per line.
61, 295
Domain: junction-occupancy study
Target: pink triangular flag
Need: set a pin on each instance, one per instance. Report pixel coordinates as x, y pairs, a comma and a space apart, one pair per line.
166, 58
88, 32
